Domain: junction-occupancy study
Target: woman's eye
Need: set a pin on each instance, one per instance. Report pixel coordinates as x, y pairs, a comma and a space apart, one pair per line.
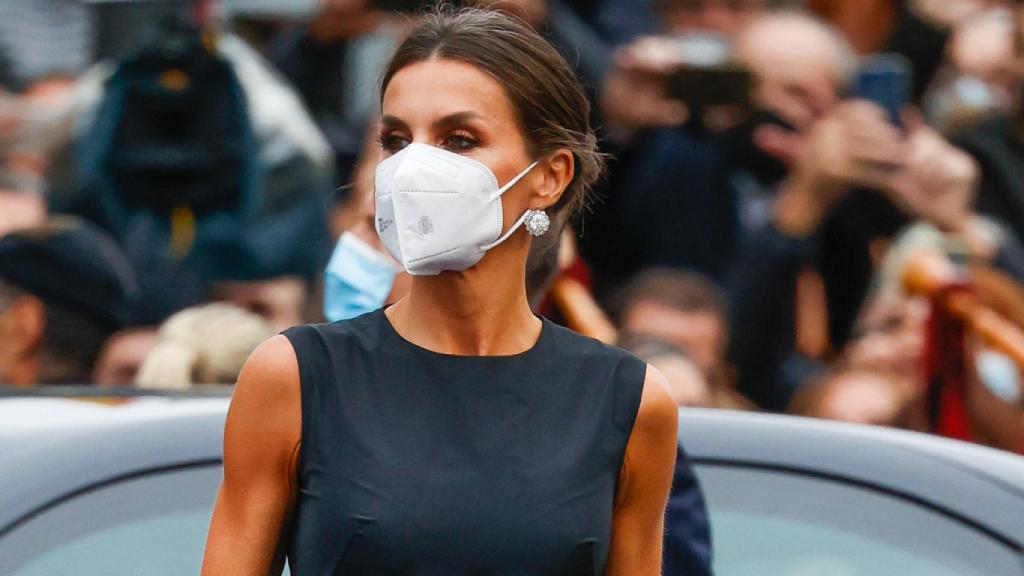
392, 143
459, 142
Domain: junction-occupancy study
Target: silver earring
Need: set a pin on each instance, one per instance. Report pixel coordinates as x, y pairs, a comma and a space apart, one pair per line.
537, 222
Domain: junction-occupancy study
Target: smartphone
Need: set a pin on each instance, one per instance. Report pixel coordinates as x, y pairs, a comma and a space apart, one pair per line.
888, 81
702, 87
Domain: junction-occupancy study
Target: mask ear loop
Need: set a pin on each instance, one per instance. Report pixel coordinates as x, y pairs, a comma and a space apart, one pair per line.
522, 218
500, 191
510, 231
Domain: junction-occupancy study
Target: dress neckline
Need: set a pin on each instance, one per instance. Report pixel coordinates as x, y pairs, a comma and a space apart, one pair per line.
393, 333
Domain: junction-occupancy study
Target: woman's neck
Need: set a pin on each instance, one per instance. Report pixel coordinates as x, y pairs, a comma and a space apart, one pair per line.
482, 311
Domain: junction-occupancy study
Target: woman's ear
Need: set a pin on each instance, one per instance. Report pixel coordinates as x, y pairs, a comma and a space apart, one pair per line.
555, 173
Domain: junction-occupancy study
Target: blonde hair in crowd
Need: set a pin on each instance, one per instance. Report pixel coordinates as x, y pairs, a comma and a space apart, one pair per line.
202, 345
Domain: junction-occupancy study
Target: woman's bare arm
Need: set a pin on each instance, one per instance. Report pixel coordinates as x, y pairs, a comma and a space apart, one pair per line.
638, 522
261, 442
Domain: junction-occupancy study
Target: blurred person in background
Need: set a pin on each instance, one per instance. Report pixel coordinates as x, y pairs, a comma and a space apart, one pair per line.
334, 62
44, 46
976, 81
998, 146
686, 382
890, 336
847, 180
623, 21
65, 288
201, 163
642, 201
282, 301
360, 276
32, 123
559, 23
858, 396
994, 398
965, 379
919, 30
683, 309
665, 189
122, 356
44, 40
278, 302
723, 17
203, 345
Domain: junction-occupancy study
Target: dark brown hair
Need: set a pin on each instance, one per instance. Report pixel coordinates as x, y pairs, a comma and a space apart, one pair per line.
549, 102
676, 289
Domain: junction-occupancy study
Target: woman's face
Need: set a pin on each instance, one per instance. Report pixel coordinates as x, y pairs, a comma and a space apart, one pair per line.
455, 106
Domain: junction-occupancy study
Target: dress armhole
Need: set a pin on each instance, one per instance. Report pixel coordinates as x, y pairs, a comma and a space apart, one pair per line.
631, 378
304, 341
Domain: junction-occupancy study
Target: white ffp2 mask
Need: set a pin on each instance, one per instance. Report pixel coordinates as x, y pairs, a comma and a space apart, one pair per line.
437, 210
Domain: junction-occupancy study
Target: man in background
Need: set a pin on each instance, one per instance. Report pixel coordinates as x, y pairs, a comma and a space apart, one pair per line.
998, 146
64, 289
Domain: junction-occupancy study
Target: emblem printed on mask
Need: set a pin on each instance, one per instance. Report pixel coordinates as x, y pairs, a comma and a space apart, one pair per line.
426, 226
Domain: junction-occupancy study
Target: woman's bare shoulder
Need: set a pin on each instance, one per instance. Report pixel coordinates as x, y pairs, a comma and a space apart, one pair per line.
267, 402
658, 413
272, 368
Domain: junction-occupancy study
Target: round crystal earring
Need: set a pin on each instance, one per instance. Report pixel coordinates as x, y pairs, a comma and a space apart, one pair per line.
537, 222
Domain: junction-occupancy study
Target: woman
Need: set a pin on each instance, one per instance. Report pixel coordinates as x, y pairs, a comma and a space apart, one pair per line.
454, 432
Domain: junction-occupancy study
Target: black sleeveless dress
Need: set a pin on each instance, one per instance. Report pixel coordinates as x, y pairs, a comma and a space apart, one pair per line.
420, 463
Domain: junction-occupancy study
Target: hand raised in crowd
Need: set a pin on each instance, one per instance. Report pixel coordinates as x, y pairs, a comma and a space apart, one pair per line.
853, 146
634, 93
19, 210
939, 182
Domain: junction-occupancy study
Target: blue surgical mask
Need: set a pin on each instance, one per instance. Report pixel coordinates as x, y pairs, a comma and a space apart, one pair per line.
1000, 375
358, 279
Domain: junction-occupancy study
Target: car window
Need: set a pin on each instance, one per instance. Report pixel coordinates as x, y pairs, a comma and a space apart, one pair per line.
786, 524
153, 525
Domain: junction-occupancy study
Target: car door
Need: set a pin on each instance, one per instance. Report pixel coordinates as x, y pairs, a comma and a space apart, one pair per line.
780, 522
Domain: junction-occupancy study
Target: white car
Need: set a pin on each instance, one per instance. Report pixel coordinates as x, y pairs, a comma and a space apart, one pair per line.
125, 486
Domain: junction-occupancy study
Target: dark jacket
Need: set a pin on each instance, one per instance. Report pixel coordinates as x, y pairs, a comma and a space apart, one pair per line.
687, 549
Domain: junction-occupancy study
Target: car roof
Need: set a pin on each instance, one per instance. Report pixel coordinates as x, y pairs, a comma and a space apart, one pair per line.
977, 485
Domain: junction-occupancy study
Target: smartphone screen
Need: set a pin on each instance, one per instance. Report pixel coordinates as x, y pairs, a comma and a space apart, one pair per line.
888, 81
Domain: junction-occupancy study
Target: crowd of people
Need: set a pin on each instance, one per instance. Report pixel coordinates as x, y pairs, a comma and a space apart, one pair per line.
173, 180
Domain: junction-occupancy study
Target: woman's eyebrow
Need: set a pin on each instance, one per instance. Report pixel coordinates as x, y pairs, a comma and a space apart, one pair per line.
389, 121
457, 119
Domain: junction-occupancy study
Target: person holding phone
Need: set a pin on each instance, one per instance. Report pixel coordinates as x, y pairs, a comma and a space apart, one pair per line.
850, 176
454, 432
